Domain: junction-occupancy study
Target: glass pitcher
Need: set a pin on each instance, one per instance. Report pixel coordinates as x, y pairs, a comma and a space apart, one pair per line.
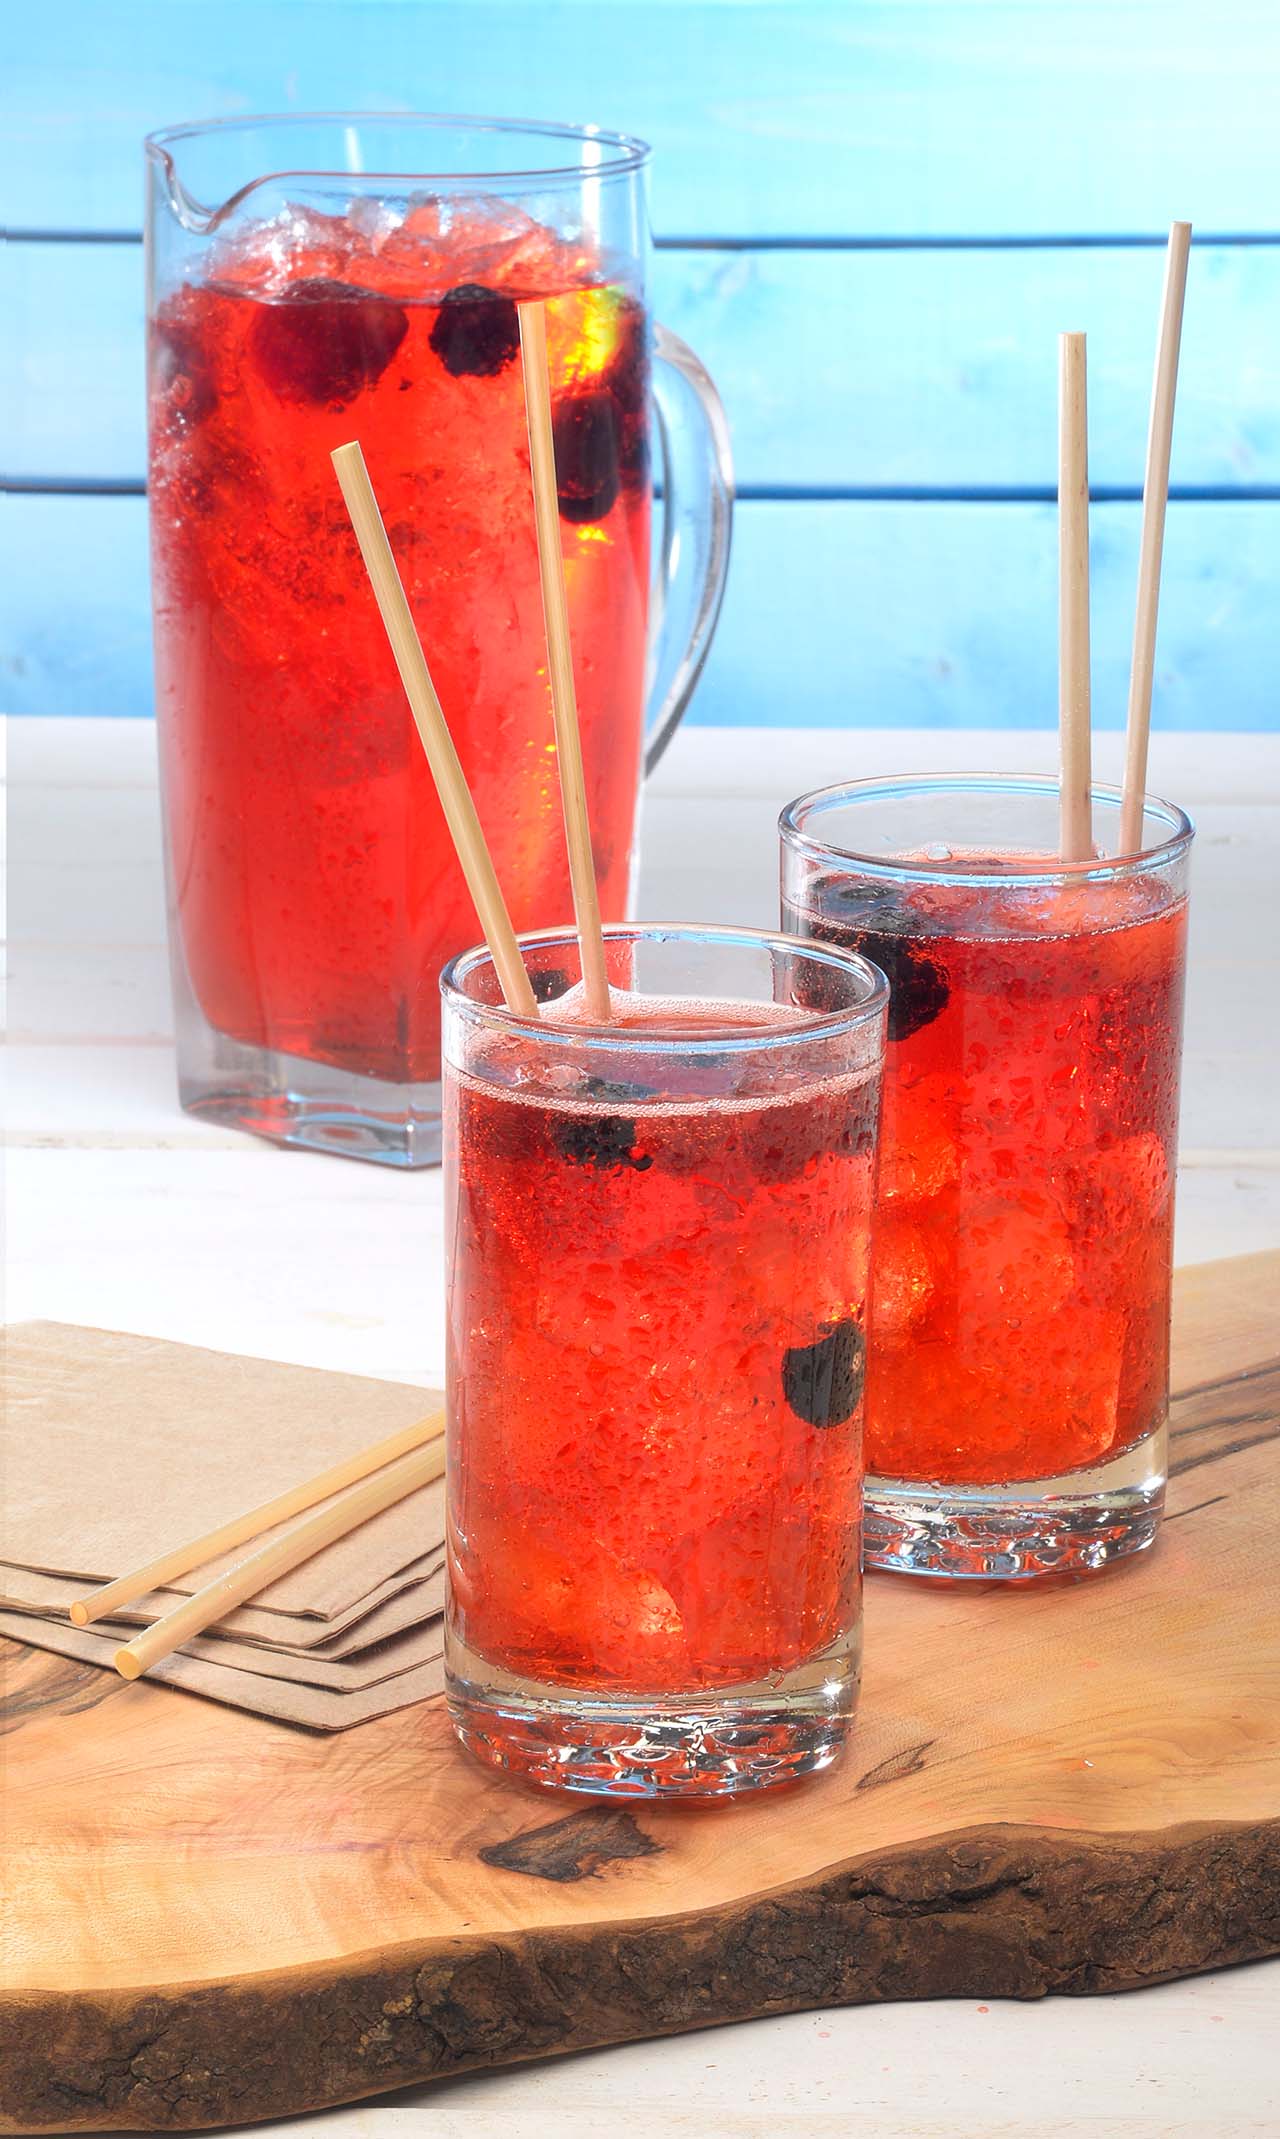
322, 278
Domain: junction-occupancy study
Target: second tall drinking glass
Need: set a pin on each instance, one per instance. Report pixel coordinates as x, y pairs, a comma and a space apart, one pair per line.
659, 1237
1018, 1372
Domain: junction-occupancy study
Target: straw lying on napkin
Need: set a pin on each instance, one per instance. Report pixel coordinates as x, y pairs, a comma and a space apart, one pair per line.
312, 1706
115, 1446
22, 1590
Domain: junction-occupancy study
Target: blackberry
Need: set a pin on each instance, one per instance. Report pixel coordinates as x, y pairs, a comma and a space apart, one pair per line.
919, 990
602, 432
605, 1141
324, 342
822, 1381
549, 985
476, 333
864, 915
588, 444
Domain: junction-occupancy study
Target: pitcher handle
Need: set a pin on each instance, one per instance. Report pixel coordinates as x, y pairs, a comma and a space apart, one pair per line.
697, 519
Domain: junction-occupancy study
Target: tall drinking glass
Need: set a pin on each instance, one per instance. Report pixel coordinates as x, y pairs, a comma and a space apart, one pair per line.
658, 1234
316, 279
1018, 1383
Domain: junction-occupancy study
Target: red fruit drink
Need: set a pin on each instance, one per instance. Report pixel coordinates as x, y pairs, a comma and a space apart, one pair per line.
657, 1302
316, 891
1024, 1233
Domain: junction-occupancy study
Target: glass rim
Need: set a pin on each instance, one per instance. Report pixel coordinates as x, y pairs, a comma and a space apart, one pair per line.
828, 1024
792, 827
631, 154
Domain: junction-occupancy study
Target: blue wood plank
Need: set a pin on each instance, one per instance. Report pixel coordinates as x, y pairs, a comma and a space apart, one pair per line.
848, 370
941, 368
825, 116
946, 616
885, 615
72, 360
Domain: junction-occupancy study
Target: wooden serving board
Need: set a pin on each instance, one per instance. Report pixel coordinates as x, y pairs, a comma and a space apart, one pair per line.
214, 1919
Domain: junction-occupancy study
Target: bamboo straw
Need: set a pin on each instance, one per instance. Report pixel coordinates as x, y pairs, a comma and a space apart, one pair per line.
182, 1558
309, 1536
1075, 838
1155, 497
564, 703
455, 796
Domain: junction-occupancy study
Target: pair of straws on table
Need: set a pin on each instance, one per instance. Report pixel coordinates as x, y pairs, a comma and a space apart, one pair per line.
378, 1477
1076, 777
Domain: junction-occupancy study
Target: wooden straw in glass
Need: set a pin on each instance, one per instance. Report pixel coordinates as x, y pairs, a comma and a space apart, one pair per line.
1075, 838
1155, 497
455, 796
311, 1535
564, 703
198, 1550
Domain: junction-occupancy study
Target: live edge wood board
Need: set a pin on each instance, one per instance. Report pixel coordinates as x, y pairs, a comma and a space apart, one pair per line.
213, 1919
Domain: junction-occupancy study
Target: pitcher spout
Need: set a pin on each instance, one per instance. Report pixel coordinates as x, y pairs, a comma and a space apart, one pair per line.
170, 192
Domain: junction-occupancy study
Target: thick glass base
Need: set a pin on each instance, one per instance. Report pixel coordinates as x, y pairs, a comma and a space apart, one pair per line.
292, 1100
1029, 1527
680, 1745
315, 1108
312, 1106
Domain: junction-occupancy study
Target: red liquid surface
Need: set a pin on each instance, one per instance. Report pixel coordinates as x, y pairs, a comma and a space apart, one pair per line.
316, 890
1024, 1230
655, 1378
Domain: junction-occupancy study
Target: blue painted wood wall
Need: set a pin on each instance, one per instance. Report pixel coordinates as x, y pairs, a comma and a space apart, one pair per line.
873, 220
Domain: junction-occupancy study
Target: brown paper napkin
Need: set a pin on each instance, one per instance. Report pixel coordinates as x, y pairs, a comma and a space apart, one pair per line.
314, 1707
396, 1616
115, 1446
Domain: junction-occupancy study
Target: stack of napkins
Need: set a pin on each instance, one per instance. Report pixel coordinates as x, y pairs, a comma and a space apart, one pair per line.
117, 1448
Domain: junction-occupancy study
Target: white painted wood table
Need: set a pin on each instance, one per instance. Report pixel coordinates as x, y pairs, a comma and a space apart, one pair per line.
123, 1212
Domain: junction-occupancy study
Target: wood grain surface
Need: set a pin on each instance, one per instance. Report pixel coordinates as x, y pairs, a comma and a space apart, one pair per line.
1070, 1788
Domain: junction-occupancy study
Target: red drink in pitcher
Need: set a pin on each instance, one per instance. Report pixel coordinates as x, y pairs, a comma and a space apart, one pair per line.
659, 1239
1023, 1241
315, 890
